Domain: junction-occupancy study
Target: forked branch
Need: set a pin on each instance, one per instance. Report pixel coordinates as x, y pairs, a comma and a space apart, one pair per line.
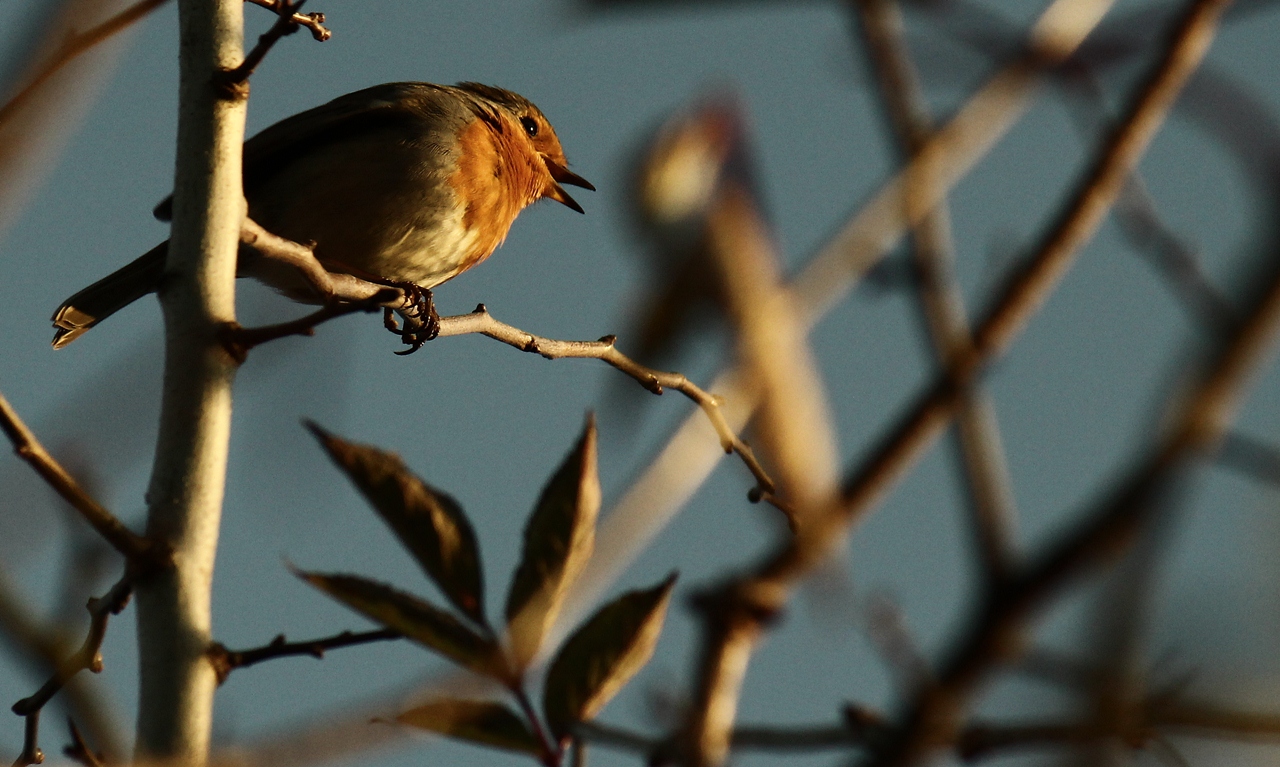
138, 550
89, 656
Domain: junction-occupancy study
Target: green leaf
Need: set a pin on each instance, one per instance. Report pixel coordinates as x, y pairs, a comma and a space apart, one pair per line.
430, 523
477, 721
603, 655
420, 621
558, 540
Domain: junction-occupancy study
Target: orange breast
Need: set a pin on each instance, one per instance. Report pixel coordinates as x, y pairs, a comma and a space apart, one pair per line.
496, 178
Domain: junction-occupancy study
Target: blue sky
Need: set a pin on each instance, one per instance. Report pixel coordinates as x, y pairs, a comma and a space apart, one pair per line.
1078, 393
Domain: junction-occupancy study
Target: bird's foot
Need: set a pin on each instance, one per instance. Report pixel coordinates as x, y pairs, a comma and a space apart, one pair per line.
421, 321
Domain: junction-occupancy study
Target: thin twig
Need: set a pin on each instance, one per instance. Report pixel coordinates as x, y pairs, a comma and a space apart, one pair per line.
138, 550
225, 661
74, 45
89, 656
78, 750
314, 22
483, 323
234, 82
239, 340
43, 647
978, 443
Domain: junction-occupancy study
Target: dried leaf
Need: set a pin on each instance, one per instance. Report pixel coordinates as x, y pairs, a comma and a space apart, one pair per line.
558, 540
603, 655
430, 523
418, 620
477, 721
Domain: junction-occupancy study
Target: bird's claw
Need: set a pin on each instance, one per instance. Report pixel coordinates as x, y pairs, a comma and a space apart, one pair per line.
421, 321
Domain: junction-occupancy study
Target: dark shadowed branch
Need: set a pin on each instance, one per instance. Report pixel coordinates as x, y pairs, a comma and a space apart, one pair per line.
78, 750
138, 550
89, 656
225, 661
737, 611
978, 443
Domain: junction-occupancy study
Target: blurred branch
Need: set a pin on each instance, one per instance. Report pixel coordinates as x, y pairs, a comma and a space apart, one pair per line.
683, 465
1106, 532
953, 151
89, 657
42, 649
79, 750
225, 661
1251, 457
138, 550
483, 323
1140, 221
74, 45
793, 421
978, 444
737, 611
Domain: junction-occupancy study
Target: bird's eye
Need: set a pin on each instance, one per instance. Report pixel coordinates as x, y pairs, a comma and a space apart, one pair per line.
530, 125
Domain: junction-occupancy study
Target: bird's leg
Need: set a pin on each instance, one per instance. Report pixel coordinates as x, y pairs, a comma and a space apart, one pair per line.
421, 321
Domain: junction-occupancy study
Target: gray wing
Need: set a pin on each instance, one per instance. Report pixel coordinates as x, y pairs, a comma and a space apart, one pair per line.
372, 109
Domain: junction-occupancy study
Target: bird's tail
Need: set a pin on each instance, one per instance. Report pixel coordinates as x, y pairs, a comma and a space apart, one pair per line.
108, 295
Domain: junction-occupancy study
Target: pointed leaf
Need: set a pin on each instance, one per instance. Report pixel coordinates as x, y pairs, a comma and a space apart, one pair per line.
477, 721
603, 655
558, 540
430, 523
420, 621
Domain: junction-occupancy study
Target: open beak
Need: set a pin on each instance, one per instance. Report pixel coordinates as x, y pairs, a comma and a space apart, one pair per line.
557, 193
566, 176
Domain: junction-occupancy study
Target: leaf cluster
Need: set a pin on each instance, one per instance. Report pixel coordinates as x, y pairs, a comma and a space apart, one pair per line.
593, 664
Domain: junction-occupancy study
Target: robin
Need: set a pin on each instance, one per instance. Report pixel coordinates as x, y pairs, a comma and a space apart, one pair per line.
403, 184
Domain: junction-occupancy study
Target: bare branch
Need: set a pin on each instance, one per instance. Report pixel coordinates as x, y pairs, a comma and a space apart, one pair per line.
234, 82
79, 750
89, 657
225, 661
43, 648
138, 550
978, 443
483, 323
73, 46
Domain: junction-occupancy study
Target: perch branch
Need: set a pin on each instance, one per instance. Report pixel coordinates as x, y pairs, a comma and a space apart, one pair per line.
74, 45
482, 323
89, 656
138, 550
225, 661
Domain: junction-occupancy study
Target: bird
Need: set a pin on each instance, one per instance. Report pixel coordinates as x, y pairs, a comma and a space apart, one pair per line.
407, 184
